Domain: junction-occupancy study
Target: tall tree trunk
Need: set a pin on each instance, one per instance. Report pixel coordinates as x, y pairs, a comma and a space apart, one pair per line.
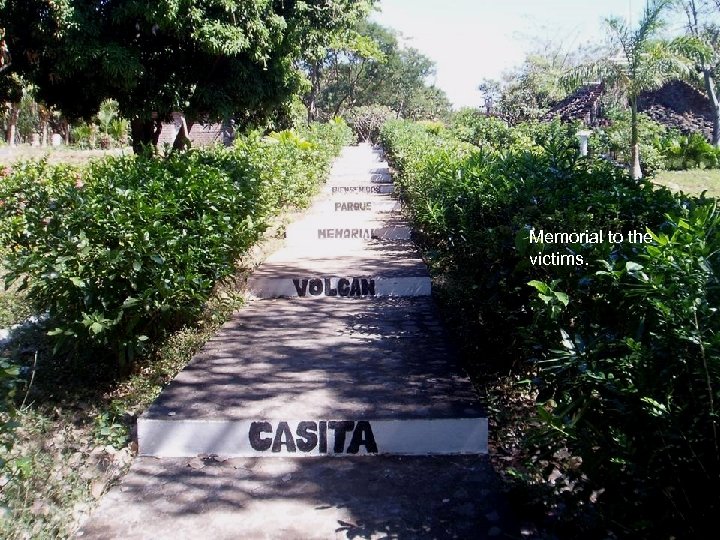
351, 93
712, 94
635, 171
182, 141
314, 91
145, 135
44, 137
12, 124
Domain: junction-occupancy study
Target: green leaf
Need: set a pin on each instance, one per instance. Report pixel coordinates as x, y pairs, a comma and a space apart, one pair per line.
96, 328
540, 286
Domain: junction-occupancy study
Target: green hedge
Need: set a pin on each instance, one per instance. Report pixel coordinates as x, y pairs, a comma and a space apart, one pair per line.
131, 246
625, 346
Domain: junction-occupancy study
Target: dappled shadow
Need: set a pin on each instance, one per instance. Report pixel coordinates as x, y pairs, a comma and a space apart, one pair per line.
328, 358
361, 497
370, 258
315, 359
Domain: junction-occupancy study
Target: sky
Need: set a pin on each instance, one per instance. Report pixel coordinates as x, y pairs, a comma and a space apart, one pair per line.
470, 40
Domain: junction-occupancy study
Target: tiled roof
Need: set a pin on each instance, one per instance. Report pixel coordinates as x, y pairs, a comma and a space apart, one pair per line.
583, 104
678, 105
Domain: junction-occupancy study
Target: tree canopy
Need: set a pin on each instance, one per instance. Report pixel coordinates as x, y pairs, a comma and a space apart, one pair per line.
208, 58
372, 68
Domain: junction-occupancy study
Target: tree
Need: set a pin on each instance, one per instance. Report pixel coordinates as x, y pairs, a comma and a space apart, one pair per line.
346, 62
491, 91
5, 58
378, 71
529, 91
211, 59
325, 42
638, 63
704, 50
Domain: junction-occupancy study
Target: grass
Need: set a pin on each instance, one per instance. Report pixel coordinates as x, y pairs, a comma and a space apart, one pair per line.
693, 181
71, 156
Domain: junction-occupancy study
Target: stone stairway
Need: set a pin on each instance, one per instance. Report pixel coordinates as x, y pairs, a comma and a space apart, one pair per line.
340, 354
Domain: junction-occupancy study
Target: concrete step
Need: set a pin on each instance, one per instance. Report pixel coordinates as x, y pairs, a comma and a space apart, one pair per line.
373, 176
356, 188
317, 226
323, 230
314, 377
388, 497
361, 204
369, 268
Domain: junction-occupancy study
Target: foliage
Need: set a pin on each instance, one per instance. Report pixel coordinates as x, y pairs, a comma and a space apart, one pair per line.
110, 427
374, 69
612, 140
688, 151
28, 119
119, 129
133, 247
107, 113
622, 342
9, 379
470, 125
107, 128
366, 121
84, 135
230, 58
637, 63
531, 90
702, 46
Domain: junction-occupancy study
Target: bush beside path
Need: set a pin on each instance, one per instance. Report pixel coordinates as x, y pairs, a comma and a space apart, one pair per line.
131, 260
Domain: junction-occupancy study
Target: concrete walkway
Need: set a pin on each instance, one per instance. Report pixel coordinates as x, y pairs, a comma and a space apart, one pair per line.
340, 360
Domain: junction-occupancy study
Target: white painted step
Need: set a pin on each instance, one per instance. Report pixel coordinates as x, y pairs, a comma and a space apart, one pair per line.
324, 230
311, 437
357, 188
357, 205
303, 378
333, 286
367, 268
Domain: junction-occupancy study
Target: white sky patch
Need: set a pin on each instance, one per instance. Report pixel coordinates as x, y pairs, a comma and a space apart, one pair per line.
470, 40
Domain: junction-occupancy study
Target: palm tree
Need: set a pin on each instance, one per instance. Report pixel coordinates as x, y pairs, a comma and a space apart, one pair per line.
638, 63
703, 47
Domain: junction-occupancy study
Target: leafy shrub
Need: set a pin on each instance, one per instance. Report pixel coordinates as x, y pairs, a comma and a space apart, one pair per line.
624, 344
688, 151
636, 375
119, 130
432, 126
613, 141
84, 135
367, 120
9, 378
134, 245
109, 111
470, 125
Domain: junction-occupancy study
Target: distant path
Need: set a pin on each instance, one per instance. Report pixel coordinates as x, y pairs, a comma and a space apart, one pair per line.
330, 407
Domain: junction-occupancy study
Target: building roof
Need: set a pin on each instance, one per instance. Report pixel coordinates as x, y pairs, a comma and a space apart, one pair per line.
676, 105
580, 105
680, 106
